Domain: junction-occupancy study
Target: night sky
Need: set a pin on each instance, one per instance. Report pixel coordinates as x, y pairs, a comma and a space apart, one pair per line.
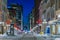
27, 7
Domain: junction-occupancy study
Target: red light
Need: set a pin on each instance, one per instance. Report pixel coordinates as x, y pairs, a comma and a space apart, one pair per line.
39, 21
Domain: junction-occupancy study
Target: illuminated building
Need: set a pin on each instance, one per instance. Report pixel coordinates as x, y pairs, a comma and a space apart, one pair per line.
49, 10
3, 10
3, 13
15, 13
31, 19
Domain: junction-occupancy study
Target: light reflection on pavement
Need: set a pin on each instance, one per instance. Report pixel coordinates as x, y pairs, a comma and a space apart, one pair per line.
30, 36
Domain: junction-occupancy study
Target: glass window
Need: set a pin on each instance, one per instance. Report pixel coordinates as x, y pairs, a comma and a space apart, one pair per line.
18, 14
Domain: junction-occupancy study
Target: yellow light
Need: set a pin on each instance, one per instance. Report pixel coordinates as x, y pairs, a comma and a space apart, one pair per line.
41, 33
5, 28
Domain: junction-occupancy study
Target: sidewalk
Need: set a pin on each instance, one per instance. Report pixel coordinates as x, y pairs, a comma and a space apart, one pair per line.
30, 37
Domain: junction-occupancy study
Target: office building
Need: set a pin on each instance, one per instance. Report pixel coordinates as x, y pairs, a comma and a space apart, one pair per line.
31, 19
15, 13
